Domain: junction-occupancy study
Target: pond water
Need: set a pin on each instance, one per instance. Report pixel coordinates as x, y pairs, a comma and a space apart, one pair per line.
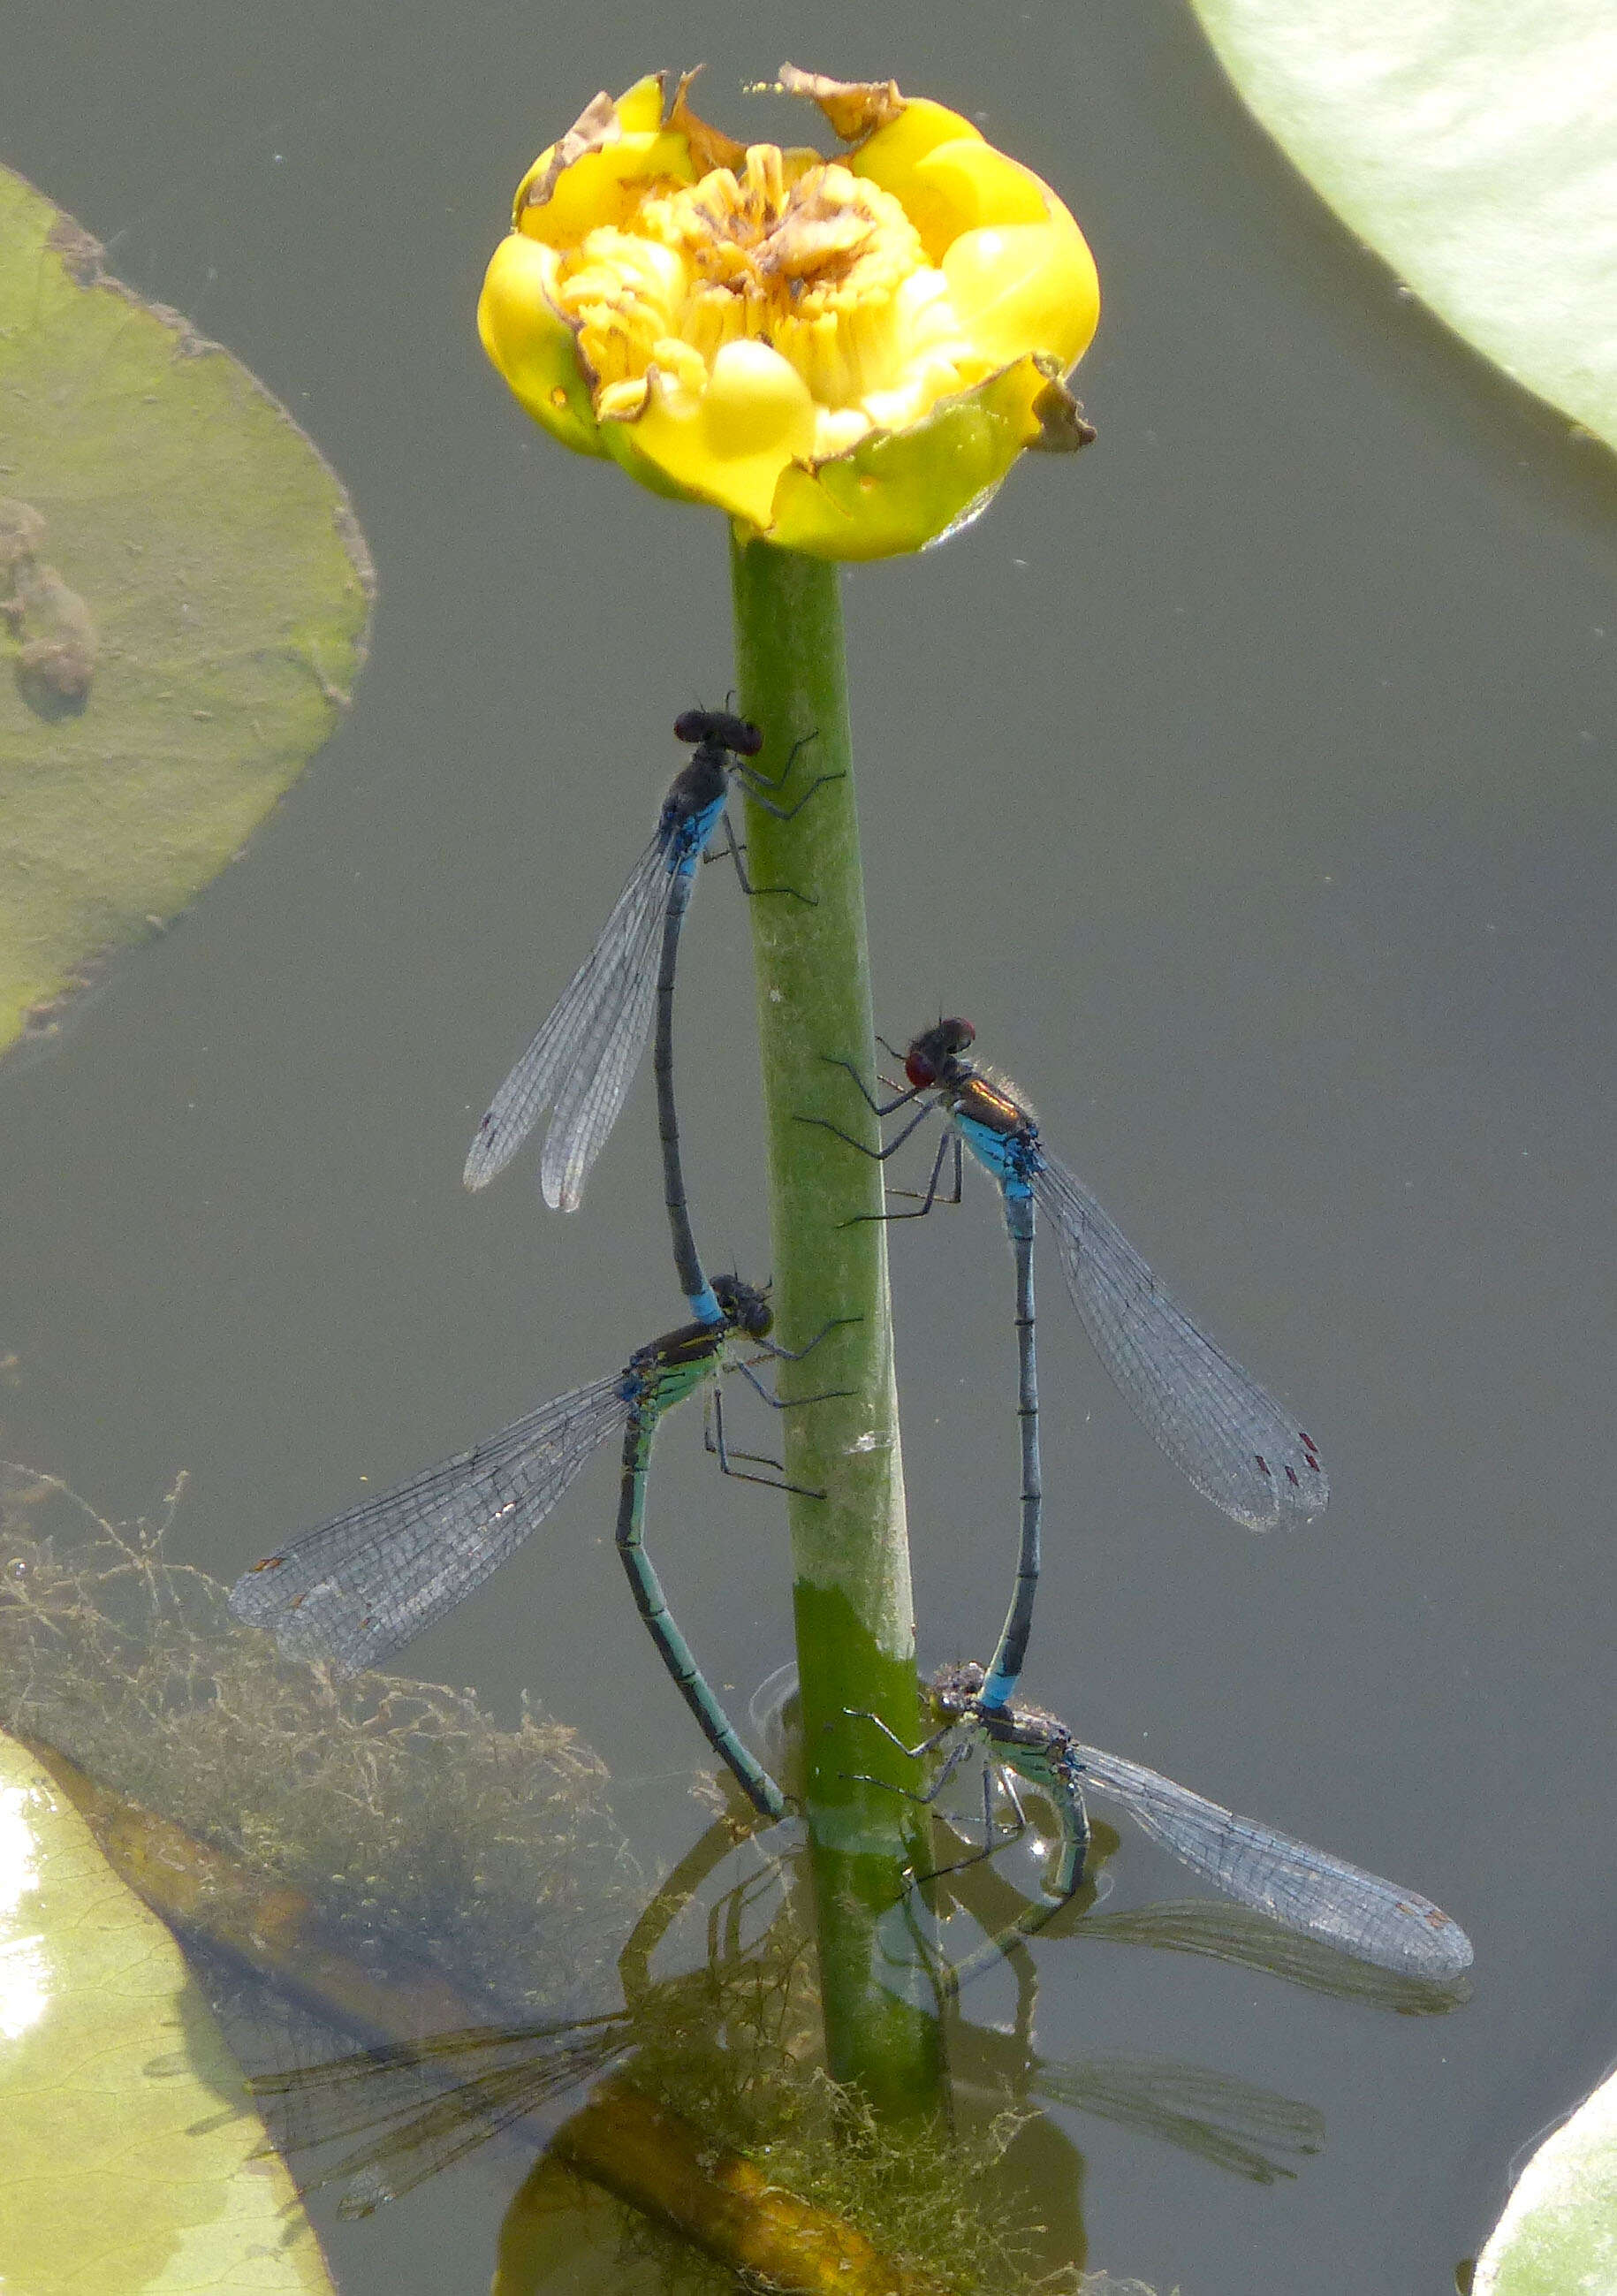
1247, 782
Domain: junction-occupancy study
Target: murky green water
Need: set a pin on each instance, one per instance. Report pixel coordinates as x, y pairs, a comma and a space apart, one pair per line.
1246, 782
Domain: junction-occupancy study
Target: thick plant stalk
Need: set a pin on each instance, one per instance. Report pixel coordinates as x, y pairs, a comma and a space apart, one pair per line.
854, 1618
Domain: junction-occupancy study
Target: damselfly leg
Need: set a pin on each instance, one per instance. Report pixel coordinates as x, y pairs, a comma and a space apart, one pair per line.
713, 1434
715, 1444
996, 1780
772, 1351
927, 1196
880, 1109
733, 849
755, 784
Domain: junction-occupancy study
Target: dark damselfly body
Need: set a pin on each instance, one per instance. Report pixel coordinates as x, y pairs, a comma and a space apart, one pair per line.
355, 1589
583, 1059
1231, 1440
1307, 1890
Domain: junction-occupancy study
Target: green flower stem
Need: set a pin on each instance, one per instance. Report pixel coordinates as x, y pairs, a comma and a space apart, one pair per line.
855, 1619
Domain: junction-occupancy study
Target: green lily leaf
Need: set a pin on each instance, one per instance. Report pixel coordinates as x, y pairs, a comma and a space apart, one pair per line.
1470, 143
184, 597
130, 2149
1558, 2233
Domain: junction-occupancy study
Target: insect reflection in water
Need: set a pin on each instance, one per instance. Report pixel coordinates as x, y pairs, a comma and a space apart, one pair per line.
744, 2017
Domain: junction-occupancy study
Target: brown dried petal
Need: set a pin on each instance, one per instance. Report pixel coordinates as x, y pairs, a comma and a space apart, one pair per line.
804, 246
1062, 429
596, 126
710, 147
856, 108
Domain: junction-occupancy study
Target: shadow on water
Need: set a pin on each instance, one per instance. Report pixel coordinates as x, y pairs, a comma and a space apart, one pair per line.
464, 1886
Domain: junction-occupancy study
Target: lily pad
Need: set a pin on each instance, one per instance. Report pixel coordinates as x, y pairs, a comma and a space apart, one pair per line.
1470, 143
130, 2150
184, 598
1558, 2234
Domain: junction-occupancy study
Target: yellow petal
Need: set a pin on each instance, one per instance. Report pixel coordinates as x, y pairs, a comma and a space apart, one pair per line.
603, 187
902, 489
607, 157
640, 108
1032, 287
622, 441
959, 186
729, 445
977, 184
533, 346
893, 154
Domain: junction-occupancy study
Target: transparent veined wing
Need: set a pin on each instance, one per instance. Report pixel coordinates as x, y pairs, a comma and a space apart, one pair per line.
1307, 1888
590, 1097
599, 1020
1234, 1443
357, 1588
420, 2106
1250, 2131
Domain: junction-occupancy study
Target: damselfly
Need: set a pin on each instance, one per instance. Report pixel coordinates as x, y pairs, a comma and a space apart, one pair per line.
1233, 1441
357, 1588
584, 1056
1306, 1889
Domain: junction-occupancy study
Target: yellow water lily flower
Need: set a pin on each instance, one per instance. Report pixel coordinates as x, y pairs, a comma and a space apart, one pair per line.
845, 355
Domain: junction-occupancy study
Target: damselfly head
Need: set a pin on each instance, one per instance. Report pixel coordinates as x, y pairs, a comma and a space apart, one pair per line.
743, 1305
730, 733
932, 1052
